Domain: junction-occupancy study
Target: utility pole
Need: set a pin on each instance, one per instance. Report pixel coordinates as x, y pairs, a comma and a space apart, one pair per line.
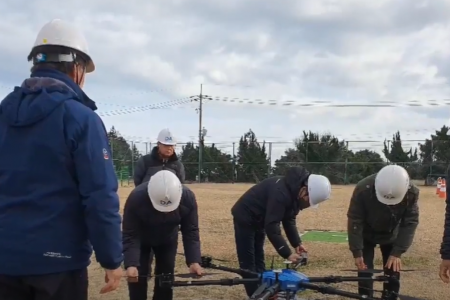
201, 130
200, 135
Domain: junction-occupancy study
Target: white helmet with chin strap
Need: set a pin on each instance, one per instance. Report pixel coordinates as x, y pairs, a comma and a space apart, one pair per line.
165, 191
391, 184
60, 33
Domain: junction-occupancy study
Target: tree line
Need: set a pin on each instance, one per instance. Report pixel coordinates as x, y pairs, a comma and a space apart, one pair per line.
320, 153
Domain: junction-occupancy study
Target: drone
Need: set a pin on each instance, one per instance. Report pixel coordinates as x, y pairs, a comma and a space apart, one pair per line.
283, 284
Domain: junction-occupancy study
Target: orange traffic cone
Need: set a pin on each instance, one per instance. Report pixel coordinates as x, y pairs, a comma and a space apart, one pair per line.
443, 190
438, 185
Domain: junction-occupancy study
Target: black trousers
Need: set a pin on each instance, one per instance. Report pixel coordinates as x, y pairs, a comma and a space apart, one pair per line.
365, 287
250, 251
59, 286
165, 256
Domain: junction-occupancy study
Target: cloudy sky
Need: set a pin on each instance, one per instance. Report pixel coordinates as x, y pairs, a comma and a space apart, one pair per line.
152, 54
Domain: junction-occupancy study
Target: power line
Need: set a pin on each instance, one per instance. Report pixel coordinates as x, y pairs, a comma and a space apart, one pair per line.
143, 108
296, 103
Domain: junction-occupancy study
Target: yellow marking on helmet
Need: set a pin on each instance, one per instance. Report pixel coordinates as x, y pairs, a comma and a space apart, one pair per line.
44, 41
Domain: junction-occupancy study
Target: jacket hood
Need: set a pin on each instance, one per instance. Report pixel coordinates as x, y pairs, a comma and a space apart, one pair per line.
155, 155
296, 178
39, 96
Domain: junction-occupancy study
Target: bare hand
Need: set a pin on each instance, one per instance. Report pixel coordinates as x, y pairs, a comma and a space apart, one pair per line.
294, 257
195, 268
112, 280
394, 263
132, 274
444, 271
359, 263
300, 249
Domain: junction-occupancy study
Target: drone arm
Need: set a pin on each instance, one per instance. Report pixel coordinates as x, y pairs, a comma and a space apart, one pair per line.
338, 279
206, 263
333, 291
224, 282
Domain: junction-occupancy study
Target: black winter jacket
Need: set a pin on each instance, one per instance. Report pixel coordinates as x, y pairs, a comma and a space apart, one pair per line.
445, 246
271, 202
150, 164
143, 224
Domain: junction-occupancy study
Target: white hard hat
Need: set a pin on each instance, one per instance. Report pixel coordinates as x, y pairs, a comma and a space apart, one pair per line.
165, 190
60, 33
391, 184
319, 189
165, 137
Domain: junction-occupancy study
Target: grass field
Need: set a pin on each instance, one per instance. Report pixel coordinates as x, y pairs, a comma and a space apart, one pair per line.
216, 230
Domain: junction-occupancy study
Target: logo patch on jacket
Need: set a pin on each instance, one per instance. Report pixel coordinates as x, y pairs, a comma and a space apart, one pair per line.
105, 154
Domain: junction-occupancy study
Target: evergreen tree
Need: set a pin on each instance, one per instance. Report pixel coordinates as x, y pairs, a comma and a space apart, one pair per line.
253, 163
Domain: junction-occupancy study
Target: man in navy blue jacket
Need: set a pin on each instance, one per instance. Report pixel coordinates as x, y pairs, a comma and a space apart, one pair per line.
58, 189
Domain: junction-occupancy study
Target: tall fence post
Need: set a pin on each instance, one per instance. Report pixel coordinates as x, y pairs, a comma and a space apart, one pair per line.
233, 169
346, 162
269, 167
132, 161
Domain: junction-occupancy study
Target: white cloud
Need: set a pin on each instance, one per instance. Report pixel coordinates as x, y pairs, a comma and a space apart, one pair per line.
339, 51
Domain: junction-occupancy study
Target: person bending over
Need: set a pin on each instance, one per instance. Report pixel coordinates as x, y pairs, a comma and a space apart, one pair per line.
383, 211
153, 213
261, 209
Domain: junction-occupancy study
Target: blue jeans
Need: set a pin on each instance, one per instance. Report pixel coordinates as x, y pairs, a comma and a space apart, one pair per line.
250, 251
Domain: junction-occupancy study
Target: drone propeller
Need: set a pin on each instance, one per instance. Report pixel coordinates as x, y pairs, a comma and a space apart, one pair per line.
372, 271
221, 260
195, 276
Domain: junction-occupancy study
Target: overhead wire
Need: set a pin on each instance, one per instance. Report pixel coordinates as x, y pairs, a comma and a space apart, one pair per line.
161, 105
334, 104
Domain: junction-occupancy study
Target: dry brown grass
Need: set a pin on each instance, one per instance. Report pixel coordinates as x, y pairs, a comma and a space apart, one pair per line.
215, 201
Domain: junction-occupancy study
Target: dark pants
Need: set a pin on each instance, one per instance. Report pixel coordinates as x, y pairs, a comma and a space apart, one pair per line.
250, 251
164, 264
59, 286
366, 287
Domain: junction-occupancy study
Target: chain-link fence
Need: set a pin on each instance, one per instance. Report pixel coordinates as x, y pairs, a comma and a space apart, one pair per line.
226, 163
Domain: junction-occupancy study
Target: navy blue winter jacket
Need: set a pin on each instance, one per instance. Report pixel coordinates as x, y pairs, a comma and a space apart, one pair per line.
58, 188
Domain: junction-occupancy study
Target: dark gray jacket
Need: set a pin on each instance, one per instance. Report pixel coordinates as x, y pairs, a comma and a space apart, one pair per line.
151, 163
377, 223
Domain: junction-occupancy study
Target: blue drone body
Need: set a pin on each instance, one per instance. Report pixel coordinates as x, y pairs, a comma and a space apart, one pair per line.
289, 280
